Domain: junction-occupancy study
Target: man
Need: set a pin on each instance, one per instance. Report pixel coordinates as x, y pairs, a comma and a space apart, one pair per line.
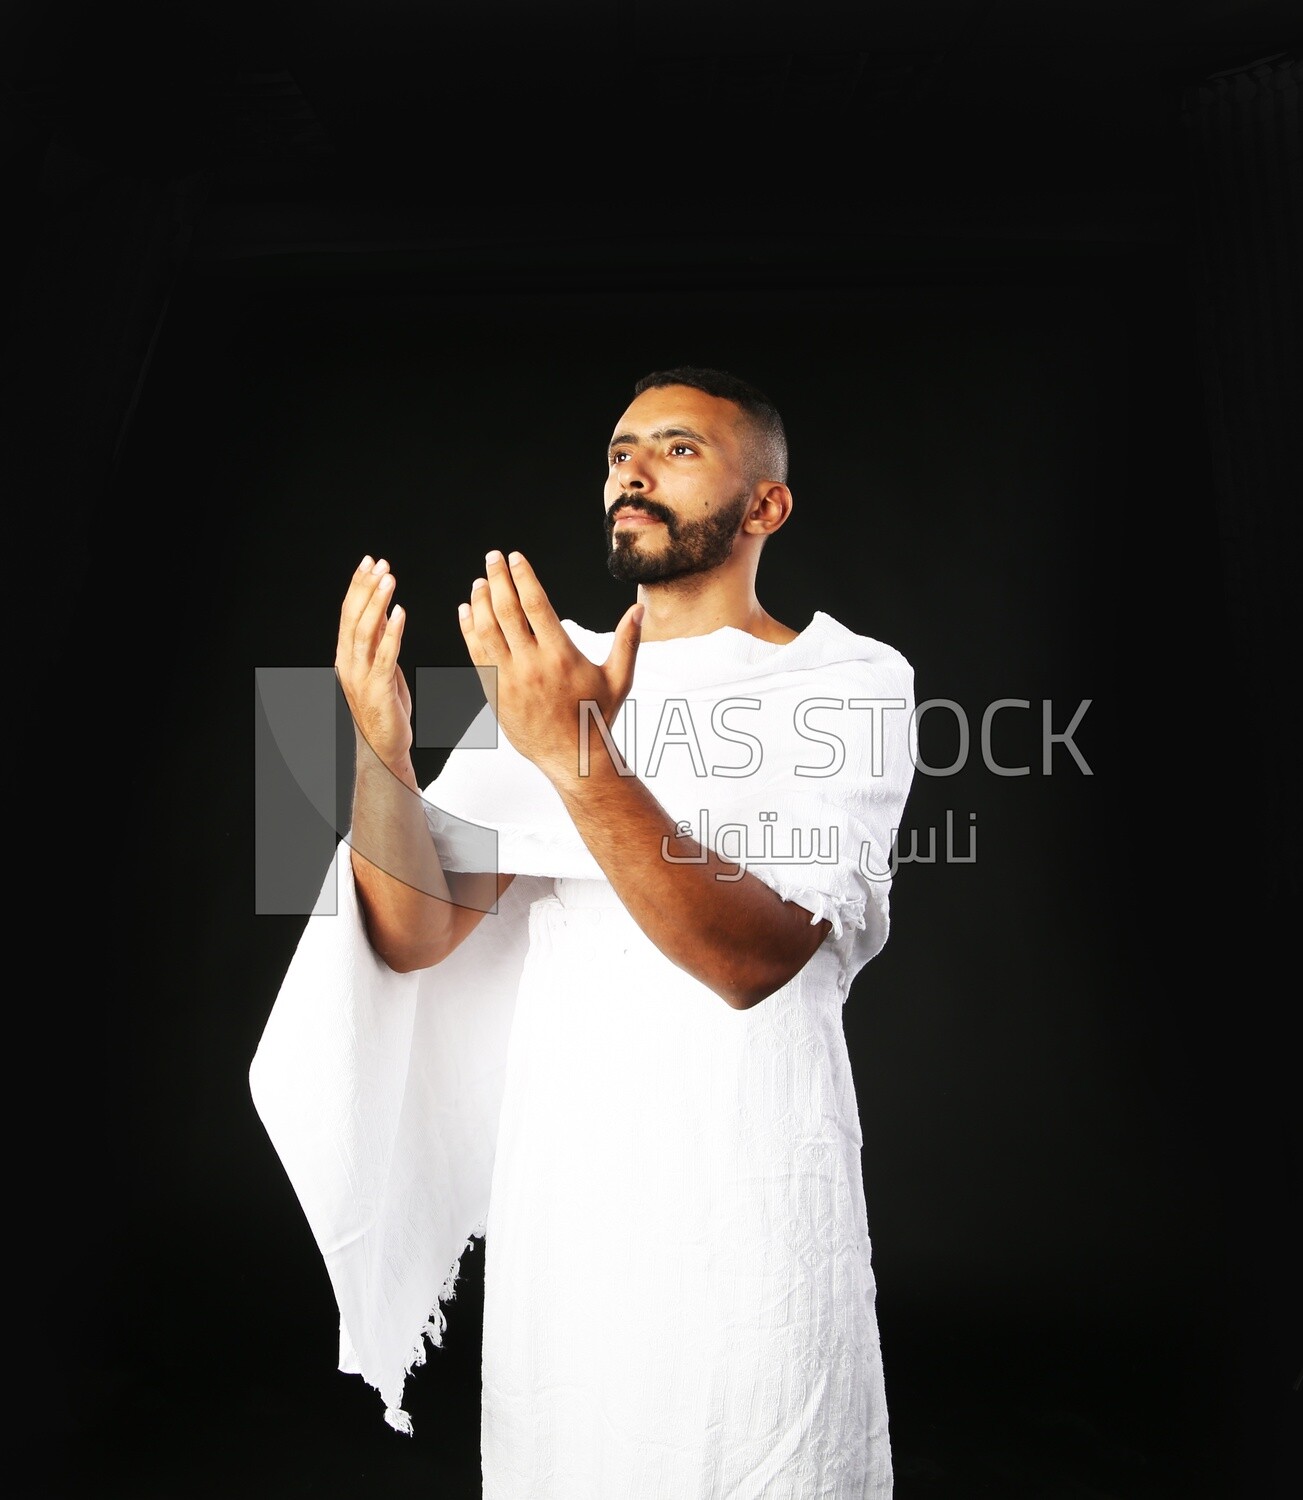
609, 1037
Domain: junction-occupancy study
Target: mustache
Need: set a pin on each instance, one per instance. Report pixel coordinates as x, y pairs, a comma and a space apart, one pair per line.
640, 507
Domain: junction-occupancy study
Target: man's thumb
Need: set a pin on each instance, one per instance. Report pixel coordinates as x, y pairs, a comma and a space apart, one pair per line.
624, 649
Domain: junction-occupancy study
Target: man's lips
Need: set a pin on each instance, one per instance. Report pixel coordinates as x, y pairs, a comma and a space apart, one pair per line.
635, 518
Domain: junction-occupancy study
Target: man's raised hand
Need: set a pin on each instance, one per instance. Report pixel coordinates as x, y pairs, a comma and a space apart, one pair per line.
366, 663
542, 676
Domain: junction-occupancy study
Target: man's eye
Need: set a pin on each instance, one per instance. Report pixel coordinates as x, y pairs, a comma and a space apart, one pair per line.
616, 457
682, 448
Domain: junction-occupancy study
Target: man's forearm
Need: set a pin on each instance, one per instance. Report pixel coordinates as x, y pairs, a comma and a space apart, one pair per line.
415, 912
734, 934
737, 936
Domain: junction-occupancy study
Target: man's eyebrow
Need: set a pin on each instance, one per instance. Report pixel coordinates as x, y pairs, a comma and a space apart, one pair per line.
659, 435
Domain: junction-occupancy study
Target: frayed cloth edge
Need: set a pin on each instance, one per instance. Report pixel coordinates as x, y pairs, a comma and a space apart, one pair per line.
432, 1331
846, 914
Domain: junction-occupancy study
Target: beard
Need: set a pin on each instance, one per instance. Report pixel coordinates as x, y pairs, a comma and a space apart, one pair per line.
693, 546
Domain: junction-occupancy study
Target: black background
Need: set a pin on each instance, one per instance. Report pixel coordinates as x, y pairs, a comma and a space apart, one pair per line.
293, 285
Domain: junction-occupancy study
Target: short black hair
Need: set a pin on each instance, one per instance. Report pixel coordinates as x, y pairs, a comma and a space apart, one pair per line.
767, 450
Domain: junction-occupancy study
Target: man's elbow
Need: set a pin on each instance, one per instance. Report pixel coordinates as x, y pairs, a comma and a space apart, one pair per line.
768, 977
409, 963
408, 960
402, 954
747, 996
745, 999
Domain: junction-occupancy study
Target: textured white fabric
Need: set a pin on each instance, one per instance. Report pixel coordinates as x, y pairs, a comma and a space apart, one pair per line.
679, 1298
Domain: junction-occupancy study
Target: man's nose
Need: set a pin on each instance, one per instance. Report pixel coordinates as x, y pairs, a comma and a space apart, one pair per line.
632, 474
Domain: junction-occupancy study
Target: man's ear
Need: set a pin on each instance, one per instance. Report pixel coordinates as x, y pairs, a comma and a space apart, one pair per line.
770, 507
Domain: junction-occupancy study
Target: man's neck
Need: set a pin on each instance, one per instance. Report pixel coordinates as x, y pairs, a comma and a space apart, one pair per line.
674, 610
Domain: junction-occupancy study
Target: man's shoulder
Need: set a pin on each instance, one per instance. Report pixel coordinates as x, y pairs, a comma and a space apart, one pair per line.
830, 641
843, 663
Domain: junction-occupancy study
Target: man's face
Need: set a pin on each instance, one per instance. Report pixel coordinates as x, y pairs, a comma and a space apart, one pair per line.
676, 486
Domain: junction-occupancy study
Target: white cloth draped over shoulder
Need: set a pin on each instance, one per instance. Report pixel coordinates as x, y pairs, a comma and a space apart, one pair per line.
381, 1092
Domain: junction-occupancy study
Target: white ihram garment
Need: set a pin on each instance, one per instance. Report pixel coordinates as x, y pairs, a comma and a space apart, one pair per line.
679, 1297
678, 1293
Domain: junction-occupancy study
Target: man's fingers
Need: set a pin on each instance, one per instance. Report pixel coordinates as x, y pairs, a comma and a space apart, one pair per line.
624, 650
373, 619
385, 661
360, 588
543, 619
506, 606
362, 614
484, 622
479, 657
